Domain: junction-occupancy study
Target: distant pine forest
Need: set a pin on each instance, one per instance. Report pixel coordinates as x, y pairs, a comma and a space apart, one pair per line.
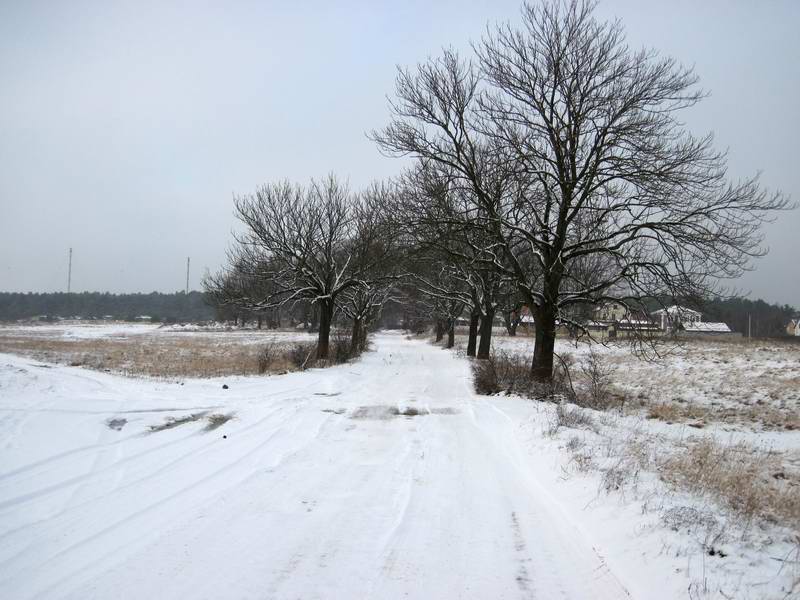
766, 320
168, 308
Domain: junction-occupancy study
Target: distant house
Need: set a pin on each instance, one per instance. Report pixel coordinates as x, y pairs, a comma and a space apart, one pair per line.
144, 318
683, 319
793, 328
701, 327
674, 316
523, 317
640, 325
611, 311
616, 319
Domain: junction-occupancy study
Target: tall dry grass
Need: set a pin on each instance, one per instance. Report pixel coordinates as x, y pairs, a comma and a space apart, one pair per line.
167, 356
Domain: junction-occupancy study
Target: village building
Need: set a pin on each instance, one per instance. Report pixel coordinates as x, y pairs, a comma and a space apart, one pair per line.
615, 319
674, 316
793, 328
684, 320
611, 311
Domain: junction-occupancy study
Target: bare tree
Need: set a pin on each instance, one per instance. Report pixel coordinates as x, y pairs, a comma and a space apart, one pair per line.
307, 244
375, 259
605, 196
448, 228
231, 292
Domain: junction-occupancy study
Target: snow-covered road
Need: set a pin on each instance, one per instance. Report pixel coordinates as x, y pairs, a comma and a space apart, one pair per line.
316, 489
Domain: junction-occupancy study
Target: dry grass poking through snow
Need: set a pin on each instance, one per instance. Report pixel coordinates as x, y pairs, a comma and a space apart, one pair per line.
750, 385
172, 354
705, 440
738, 384
766, 417
735, 502
752, 483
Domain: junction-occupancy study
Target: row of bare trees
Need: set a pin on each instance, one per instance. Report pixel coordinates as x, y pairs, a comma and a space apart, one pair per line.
552, 170
320, 244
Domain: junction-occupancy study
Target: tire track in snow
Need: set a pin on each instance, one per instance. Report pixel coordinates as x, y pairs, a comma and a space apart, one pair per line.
174, 499
11, 502
195, 453
430, 506
585, 570
93, 447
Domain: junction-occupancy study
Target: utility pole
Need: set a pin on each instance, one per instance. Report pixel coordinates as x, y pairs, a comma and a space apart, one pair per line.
749, 336
69, 273
188, 260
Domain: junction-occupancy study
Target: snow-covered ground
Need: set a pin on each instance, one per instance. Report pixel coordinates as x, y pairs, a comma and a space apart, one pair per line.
318, 487
119, 330
744, 385
79, 329
145, 349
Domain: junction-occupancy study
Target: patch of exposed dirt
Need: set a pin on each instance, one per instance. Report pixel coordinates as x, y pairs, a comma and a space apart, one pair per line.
172, 422
218, 420
383, 412
116, 424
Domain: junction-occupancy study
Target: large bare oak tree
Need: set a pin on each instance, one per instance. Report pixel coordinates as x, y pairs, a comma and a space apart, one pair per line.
574, 150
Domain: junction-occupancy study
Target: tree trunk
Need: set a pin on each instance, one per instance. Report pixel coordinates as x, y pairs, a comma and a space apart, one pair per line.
259, 321
451, 333
325, 312
472, 341
511, 319
542, 365
485, 346
355, 339
439, 330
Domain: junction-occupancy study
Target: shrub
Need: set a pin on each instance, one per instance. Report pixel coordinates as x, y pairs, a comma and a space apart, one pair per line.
511, 373
502, 372
267, 357
340, 350
300, 354
569, 416
597, 383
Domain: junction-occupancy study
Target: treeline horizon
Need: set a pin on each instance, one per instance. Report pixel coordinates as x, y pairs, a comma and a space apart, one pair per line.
166, 307
765, 319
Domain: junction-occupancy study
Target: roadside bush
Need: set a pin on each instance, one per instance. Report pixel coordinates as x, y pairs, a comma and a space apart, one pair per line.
485, 377
303, 355
268, 356
596, 390
300, 354
502, 372
511, 373
340, 350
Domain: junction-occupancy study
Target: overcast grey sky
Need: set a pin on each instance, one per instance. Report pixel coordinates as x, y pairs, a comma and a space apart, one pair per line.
125, 127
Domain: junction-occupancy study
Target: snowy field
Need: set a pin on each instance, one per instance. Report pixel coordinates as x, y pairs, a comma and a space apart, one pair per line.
385, 478
147, 349
739, 385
